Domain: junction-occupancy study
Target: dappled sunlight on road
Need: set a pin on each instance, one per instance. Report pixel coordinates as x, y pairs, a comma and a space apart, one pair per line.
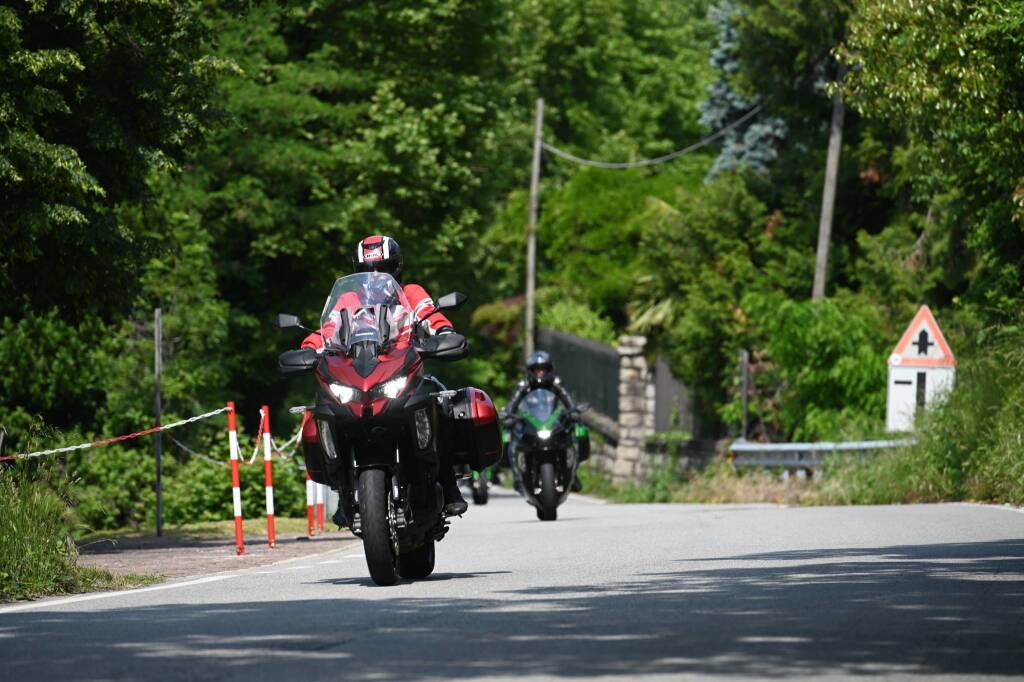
946, 608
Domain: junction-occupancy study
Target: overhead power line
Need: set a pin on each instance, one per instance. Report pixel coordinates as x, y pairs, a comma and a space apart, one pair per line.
655, 161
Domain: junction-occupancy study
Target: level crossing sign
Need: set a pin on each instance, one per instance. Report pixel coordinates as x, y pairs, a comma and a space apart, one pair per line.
921, 371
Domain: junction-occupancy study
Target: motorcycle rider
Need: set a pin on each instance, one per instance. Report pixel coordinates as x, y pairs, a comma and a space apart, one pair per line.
380, 253
540, 373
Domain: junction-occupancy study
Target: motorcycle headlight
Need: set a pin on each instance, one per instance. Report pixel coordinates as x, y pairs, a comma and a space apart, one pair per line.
544, 434
391, 388
343, 393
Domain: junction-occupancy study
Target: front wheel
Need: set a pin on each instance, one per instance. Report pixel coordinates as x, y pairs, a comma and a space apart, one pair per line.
419, 563
374, 510
548, 498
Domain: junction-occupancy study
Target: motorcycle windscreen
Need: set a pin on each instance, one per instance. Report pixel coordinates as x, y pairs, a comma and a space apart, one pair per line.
540, 406
366, 306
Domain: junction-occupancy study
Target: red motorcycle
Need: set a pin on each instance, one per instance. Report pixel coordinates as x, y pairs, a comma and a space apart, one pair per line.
380, 422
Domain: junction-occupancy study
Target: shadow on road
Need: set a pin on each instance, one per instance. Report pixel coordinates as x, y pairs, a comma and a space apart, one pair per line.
950, 608
435, 578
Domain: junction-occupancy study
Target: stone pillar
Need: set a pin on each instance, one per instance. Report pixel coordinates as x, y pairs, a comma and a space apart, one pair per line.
636, 409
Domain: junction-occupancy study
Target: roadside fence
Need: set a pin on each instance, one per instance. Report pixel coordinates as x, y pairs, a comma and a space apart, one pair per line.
315, 492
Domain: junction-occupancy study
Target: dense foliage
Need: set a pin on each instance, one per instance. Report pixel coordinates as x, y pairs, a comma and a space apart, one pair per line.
93, 97
220, 159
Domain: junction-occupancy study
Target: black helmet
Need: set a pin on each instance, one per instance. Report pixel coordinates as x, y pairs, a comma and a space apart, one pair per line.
540, 369
378, 253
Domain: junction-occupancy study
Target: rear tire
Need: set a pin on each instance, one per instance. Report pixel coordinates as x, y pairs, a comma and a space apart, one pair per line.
480, 493
419, 563
374, 501
548, 498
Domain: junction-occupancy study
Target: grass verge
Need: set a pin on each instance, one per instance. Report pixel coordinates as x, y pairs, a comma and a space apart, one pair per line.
718, 483
37, 556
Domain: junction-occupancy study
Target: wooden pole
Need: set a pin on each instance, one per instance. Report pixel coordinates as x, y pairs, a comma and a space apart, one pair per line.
745, 387
828, 194
531, 237
158, 444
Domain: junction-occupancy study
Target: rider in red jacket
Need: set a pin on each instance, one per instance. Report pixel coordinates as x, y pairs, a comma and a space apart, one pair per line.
382, 254
378, 253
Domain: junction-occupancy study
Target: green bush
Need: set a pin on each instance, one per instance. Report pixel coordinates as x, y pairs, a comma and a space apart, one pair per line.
818, 367
575, 317
116, 487
36, 555
201, 491
970, 447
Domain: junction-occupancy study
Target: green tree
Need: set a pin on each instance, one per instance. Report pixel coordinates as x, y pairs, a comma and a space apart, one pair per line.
949, 73
93, 95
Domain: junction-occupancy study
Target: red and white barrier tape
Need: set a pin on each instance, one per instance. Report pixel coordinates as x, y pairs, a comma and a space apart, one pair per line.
279, 449
116, 439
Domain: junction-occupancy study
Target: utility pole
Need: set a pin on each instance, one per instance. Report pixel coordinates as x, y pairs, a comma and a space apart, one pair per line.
158, 365
531, 236
745, 388
828, 193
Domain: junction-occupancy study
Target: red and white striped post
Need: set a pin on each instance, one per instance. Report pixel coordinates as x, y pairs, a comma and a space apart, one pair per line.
268, 477
320, 507
310, 501
236, 490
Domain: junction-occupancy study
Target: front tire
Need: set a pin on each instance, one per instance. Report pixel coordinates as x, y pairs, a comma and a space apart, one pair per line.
419, 563
548, 498
374, 503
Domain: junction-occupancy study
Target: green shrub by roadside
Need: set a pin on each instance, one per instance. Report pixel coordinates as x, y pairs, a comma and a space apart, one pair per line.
717, 483
971, 447
37, 556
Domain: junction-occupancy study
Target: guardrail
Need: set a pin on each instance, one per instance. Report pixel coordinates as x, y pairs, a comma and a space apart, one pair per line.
803, 455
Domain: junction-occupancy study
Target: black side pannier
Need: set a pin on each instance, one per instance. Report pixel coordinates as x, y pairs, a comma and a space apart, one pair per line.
476, 437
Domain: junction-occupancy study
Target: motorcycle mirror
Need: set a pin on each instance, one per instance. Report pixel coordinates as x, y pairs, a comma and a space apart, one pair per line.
285, 321
452, 301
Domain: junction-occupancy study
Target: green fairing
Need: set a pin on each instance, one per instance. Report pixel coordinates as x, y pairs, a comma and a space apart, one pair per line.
549, 422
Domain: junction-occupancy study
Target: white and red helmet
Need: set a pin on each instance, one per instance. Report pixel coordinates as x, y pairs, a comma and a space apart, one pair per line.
378, 253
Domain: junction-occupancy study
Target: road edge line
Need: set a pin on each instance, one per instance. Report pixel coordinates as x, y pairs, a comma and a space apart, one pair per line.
989, 505
61, 601
184, 580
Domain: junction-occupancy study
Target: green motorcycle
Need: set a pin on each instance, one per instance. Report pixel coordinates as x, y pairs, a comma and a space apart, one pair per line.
546, 442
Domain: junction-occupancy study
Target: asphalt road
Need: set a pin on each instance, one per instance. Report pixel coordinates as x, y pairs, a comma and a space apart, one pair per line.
607, 592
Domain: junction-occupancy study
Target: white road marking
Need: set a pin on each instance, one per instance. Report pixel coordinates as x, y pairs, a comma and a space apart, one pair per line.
104, 595
1002, 507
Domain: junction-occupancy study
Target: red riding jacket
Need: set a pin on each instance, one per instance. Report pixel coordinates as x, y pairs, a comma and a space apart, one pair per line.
422, 307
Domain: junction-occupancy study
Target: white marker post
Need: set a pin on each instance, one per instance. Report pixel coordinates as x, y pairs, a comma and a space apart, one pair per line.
310, 501
236, 490
268, 476
320, 507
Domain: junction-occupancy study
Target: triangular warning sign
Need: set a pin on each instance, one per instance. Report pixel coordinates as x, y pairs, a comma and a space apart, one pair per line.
923, 344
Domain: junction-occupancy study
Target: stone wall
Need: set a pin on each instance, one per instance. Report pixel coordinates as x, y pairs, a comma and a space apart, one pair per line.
624, 449
636, 409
